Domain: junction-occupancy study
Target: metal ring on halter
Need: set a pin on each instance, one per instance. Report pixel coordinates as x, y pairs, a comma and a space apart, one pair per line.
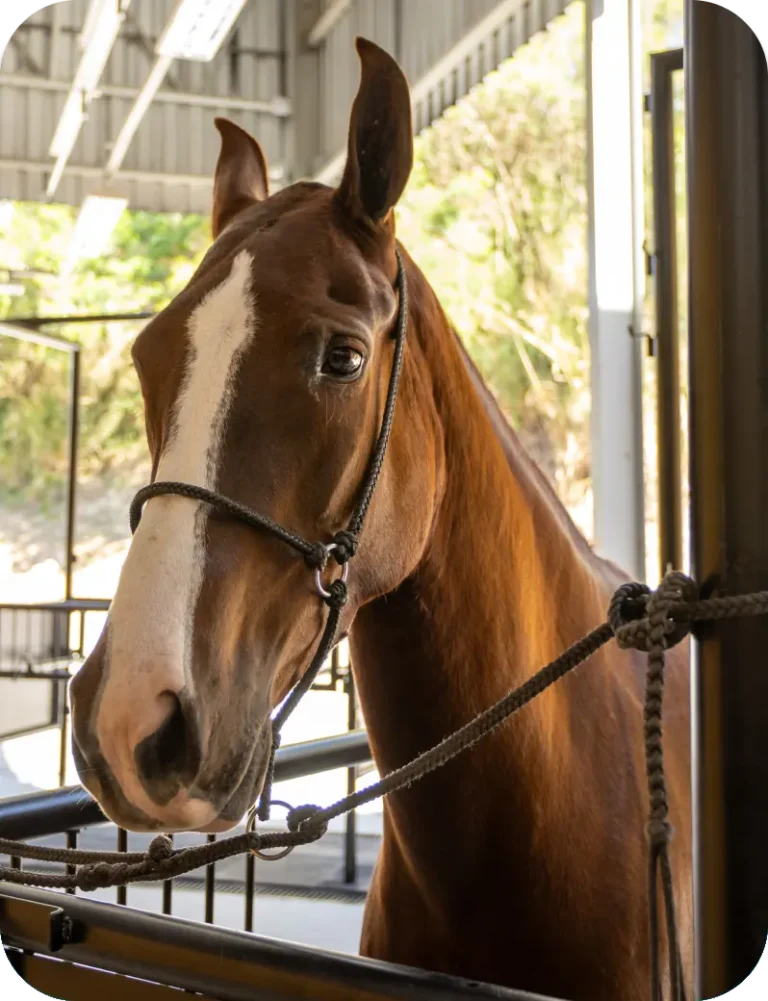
250, 827
319, 577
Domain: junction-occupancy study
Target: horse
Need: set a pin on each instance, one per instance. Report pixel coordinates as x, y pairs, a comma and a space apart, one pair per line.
522, 862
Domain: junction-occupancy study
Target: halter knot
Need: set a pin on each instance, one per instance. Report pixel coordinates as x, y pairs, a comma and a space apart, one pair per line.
304, 820
337, 595
160, 849
95, 877
345, 544
317, 557
637, 614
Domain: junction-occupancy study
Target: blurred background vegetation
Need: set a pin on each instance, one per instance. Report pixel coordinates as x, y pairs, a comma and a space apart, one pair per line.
495, 214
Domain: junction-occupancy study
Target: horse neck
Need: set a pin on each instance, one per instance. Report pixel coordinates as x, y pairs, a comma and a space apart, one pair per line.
506, 583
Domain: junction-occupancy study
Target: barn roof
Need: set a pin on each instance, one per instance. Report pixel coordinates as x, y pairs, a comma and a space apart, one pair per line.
286, 70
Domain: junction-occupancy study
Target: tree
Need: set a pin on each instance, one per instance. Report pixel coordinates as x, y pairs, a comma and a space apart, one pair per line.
496, 214
151, 259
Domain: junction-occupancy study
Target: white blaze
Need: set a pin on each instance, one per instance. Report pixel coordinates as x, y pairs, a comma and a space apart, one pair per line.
150, 621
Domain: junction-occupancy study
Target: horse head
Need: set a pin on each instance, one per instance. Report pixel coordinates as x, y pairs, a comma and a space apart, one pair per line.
263, 380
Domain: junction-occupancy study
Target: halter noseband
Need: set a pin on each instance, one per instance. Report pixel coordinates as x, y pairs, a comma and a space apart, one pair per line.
316, 555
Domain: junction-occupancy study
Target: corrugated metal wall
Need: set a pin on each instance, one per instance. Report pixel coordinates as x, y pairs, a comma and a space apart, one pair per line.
445, 47
174, 139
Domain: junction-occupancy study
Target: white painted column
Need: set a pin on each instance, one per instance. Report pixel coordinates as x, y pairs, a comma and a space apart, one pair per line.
614, 123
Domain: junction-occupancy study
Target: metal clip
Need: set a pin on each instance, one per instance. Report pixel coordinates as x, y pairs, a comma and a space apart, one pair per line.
251, 826
63, 930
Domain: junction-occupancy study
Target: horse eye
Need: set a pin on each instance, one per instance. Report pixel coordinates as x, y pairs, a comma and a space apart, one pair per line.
343, 361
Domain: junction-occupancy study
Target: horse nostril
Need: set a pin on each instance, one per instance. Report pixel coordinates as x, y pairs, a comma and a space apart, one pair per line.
170, 756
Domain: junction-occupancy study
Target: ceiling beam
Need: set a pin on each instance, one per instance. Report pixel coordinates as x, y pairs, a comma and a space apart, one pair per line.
25, 57
138, 111
279, 106
101, 28
56, 51
89, 171
194, 32
324, 24
140, 39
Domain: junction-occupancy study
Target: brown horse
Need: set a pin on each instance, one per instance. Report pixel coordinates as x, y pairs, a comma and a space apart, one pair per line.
523, 862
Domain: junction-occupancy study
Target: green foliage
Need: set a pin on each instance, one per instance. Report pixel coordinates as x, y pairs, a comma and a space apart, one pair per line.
151, 259
496, 214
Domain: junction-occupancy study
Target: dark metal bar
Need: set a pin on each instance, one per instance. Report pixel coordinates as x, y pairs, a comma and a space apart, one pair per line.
52, 978
249, 889
42, 813
15, 862
311, 756
350, 830
63, 732
122, 846
210, 885
168, 892
226, 964
727, 137
14, 633
74, 435
35, 322
81, 635
27, 674
71, 843
670, 491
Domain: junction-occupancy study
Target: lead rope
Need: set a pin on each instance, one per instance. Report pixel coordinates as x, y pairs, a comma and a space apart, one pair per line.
345, 543
652, 622
659, 630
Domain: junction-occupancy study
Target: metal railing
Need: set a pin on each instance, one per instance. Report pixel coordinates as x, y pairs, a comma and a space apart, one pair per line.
70, 945
68, 811
669, 421
45, 933
41, 643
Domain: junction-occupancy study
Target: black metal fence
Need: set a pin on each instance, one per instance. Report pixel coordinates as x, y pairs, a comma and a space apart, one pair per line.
69, 813
41, 643
74, 947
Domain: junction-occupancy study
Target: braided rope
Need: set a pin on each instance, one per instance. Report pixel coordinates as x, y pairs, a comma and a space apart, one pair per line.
667, 622
651, 622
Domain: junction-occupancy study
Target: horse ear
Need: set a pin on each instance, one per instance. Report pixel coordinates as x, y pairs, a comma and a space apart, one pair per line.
241, 174
380, 147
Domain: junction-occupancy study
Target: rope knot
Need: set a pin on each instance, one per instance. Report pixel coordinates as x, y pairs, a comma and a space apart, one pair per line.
160, 849
337, 595
626, 613
639, 617
305, 820
345, 544
659, 832
94, 877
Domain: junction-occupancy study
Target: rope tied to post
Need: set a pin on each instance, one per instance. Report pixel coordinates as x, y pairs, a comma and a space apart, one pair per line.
638, 618
652, 628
